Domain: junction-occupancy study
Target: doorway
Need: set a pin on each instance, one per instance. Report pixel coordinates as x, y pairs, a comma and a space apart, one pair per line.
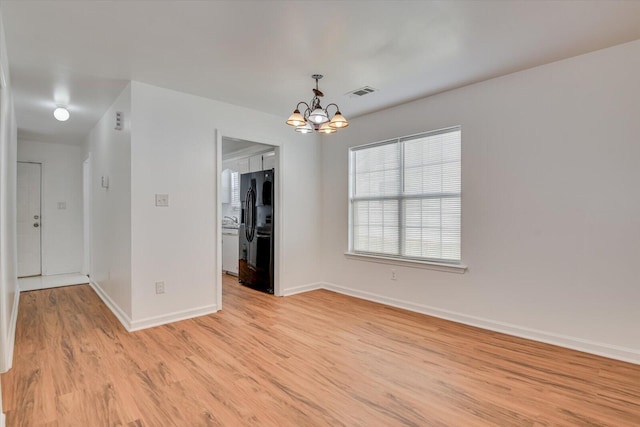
29, 218
241, 261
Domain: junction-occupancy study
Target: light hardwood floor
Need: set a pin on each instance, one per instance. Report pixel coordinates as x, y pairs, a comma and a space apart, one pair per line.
312, 359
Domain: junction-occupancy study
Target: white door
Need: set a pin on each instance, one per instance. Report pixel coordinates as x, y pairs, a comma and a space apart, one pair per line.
29, 219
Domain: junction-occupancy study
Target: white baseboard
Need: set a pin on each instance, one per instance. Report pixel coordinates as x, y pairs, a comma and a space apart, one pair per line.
150, 322
11, 339
115, 308
606, 350
51, 281
304, 288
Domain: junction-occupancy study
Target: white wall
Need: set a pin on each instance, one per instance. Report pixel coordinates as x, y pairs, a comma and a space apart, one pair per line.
174, 152
551, 217
62, 244
110, 153
9, 293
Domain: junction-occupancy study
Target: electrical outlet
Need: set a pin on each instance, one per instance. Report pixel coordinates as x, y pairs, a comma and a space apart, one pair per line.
162, 200
393, 274
159, 287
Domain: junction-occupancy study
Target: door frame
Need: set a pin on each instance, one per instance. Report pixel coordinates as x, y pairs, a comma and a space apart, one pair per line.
43, 264
6, 346
277, 201
86, 215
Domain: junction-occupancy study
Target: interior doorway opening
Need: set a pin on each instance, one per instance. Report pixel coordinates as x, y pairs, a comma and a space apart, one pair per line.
249, 210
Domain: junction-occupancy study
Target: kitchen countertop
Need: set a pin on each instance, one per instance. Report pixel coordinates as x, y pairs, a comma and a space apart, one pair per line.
233, 231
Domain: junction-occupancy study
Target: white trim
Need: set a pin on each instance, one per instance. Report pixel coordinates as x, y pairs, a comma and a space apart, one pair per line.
3, 79
278, 203
2, 421
115, 308
149, 322
53, 281
407, 262
162, 319
624, 354
218, 196
86, 215
11, 339
303, 288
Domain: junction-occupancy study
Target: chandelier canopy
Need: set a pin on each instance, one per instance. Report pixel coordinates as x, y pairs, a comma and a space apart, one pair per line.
315, 118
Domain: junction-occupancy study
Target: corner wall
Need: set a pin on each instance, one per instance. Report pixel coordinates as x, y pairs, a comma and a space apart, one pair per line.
9, 293
174, 153
110, 154
550, 217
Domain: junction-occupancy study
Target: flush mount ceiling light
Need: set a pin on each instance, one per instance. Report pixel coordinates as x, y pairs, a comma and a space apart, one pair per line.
61, 114
315, 118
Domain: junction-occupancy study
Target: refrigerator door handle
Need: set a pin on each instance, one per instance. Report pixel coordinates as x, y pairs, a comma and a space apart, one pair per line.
250, 219
247, 215
253, 214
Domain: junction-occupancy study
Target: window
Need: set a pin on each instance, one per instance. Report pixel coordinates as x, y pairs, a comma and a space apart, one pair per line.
404, 197
235, 191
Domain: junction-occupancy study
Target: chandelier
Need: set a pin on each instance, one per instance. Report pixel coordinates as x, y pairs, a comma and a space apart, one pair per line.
314, 117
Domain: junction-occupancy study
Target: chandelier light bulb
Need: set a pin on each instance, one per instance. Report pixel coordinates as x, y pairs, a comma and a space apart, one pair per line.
306, 128
325, 128
319, 116
338, 121
296, 119
61, 114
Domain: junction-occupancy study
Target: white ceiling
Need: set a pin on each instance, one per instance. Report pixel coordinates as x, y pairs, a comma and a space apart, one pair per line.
260, 54
232, 147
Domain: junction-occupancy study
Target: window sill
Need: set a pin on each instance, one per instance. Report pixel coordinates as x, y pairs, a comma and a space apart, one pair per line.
430, 265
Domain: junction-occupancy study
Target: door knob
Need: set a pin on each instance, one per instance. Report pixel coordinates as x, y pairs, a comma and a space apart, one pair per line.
36, 225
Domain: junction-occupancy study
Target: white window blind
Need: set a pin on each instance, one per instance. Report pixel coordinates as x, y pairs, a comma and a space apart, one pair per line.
235, 190
405, 197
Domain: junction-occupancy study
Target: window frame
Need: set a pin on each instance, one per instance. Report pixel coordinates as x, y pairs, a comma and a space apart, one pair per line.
235, 190
442, 264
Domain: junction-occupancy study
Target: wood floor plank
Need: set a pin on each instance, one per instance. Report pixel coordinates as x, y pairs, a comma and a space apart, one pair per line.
312, 359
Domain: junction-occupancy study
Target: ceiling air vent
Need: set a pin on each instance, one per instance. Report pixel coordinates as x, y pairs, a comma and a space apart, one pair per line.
366, 90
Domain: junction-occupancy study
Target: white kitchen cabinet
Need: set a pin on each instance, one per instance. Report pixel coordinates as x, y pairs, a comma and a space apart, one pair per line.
255, 163
243, 165
268, 161
230, 247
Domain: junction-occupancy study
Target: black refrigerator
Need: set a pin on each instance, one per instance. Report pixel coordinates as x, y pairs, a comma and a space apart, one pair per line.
256, 230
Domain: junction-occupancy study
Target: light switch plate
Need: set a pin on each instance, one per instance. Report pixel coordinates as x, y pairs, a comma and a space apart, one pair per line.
162, 200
